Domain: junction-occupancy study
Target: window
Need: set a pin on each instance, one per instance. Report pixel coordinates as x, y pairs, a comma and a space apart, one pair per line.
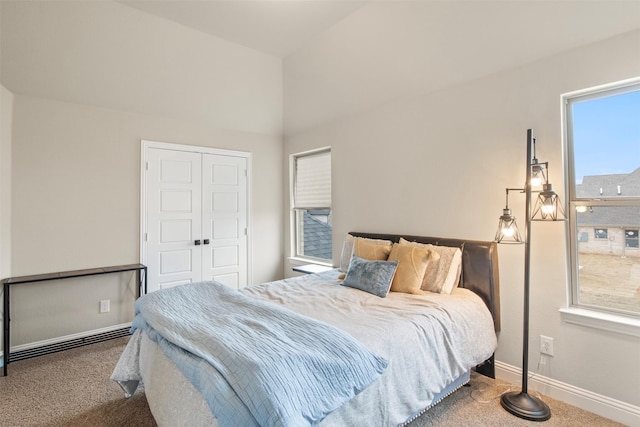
311, 205
601, 233
631, 238
603, 155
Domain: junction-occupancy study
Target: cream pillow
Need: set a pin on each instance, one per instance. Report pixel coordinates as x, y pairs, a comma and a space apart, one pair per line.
412, 264
443, 275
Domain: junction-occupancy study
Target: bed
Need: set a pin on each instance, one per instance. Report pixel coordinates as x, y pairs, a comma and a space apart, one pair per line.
423, 346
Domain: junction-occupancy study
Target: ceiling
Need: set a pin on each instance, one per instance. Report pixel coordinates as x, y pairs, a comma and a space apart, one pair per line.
276, 27
393, 49
306, 62
280, 27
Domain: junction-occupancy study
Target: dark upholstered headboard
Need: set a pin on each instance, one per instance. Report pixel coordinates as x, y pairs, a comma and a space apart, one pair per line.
479, 266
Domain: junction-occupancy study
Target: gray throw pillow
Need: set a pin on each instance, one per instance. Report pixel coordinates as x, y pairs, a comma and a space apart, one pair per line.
374, 277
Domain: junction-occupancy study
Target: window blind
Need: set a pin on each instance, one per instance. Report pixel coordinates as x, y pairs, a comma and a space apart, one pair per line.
312, 186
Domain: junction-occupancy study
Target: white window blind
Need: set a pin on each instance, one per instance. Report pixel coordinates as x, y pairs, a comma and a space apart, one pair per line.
312, 187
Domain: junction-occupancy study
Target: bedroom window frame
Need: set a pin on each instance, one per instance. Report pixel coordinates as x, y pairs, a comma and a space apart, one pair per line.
298, 208
591, 315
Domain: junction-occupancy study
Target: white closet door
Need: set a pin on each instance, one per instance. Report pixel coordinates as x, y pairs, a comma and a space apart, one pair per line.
174, 218
224, 219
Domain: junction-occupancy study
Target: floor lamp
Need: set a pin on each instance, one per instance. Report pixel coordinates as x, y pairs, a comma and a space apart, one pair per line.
547, 207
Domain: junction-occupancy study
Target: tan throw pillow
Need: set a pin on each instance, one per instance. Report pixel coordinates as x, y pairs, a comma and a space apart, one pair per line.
412, 264
443, 275
374, 250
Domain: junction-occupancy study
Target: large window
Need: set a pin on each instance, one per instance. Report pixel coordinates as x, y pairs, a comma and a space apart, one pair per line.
311, 205
603, 147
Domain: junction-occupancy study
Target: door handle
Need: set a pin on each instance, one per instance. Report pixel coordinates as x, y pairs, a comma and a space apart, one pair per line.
197, 242
206, 241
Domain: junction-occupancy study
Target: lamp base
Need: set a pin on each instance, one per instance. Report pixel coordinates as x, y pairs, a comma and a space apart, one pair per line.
525, 406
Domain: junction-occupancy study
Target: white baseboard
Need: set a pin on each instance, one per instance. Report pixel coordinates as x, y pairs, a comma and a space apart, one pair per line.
604, 406
57, 340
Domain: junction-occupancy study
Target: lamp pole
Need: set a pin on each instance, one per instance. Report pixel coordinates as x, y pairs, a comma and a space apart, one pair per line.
527, 267
521, 404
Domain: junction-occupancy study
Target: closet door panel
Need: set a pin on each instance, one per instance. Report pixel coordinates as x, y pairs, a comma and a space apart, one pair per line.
224, 224
174, 218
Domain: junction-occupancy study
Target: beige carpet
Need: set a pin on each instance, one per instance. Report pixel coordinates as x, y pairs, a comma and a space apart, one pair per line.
72, 388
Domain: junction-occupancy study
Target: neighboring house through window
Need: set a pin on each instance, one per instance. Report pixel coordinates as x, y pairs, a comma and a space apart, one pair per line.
603, 165
311, 205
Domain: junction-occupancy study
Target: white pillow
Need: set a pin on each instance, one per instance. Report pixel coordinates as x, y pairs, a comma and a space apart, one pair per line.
347, 249
442, 275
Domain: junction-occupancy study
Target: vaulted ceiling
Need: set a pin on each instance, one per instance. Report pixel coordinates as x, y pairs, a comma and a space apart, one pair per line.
336, 57
277, 27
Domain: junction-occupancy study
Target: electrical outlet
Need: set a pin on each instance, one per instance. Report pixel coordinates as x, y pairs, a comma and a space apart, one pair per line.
105, 306
546, 345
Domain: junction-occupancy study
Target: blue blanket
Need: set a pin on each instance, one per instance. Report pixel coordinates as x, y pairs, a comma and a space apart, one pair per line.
256, 363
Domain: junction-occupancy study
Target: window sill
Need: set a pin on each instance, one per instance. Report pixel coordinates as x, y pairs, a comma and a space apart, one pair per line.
295, 261
311, 268
604, 321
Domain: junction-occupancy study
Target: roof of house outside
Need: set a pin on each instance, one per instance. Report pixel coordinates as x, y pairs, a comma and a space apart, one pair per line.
317, 237
622, 216
592, 185
596, 186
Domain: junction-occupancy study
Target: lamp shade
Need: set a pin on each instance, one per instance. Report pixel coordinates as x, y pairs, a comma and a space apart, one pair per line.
547, 206
537, 175
508, 229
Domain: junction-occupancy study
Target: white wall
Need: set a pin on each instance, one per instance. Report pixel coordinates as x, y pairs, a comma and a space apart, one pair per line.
438, 163
76, 186
6, 117
90, 80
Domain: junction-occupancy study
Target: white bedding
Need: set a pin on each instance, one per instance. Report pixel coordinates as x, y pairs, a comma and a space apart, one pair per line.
430, 341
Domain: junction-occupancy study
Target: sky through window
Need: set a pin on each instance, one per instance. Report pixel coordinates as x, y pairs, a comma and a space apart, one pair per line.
606, 135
